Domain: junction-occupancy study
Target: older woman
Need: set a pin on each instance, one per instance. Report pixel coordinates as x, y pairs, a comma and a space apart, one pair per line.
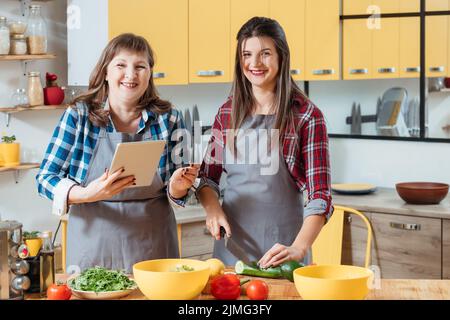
112, 225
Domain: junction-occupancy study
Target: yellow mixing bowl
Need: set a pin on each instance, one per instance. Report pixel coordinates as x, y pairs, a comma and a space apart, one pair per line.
333, 282
157, 280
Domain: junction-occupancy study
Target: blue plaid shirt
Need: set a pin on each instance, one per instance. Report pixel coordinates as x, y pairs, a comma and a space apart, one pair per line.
69, 153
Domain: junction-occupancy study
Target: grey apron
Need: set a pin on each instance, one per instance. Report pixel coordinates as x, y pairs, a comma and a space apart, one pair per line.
261, 209
135, 225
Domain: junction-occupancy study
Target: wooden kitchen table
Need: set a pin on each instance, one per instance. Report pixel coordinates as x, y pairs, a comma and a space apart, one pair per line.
280, 289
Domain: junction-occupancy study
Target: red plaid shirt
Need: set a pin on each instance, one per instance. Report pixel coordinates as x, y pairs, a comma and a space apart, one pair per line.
305, 151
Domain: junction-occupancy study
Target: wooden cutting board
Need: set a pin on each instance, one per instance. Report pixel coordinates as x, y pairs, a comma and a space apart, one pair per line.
278, 288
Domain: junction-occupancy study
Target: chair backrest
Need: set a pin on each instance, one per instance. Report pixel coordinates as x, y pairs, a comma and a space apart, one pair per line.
327, 248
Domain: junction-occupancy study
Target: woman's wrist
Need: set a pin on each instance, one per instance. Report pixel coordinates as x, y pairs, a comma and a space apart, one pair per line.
78, 194
176, 193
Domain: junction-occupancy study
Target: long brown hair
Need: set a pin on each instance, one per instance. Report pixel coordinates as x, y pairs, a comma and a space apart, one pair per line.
98, 86
286, 89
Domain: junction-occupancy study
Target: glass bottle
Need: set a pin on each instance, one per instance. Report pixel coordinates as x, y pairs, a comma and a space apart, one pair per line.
35, 90
47, 263
36, 31
4, 36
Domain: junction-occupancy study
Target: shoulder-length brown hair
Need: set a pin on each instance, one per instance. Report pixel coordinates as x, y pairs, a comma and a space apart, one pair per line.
98, 86
286, 89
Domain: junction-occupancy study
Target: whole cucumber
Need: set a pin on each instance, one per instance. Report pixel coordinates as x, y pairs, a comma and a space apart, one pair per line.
253, 270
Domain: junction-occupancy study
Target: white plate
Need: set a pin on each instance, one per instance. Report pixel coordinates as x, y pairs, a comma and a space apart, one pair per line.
105, 295
353, 188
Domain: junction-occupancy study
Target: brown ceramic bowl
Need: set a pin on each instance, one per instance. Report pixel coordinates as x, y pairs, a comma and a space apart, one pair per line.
422, 192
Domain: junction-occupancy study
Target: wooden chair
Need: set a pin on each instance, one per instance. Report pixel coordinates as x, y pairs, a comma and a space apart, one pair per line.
327, 248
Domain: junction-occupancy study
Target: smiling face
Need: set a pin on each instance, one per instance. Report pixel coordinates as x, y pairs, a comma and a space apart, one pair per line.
260, 62
128, 75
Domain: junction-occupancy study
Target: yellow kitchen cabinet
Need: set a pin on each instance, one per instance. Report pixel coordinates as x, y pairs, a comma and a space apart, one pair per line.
409, 6
355, 6
436, 46
322, 40
385, 56
240, 13
436, 5
357, 50
291, 16
387, 6
164, 24
209, 41
410, 47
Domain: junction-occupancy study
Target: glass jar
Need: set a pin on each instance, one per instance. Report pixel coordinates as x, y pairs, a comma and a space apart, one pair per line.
36, 31
19, 98
17, 27
35, 90
4, 36
18, 44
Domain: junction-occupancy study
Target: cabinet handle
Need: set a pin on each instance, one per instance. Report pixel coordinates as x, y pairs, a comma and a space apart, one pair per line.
321, 72
359, 71
412, 69
159, 75
405, 226
295, 71
386, 70
437, 69
210, 73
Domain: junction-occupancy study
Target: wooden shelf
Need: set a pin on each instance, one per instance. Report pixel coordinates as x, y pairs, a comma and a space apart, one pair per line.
23, 166
26, 57
26, 108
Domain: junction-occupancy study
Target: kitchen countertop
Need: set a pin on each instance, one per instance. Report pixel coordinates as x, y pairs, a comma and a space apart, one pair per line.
389, 289
383, 200
386, 200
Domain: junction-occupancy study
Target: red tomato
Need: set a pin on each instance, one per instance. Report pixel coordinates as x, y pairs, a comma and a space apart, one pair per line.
59, 292
257, 290
226, 287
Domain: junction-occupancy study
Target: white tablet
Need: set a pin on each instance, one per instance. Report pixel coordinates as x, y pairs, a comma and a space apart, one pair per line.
140, 159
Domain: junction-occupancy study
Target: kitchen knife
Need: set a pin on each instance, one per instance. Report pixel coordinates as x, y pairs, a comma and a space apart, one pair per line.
188, 125
197, 142
234, 248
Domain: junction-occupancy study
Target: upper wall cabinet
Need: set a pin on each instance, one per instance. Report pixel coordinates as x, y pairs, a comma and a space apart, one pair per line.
357, 50
322, 40
241, 12
436, 5
436, 46
409, 6
291, 16
385, 56
409, 56
209, 41
164, 24
355, 6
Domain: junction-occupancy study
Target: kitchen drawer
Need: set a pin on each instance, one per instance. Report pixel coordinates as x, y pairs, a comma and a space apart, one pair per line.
407, 247
354, 240
195, 239
446, 249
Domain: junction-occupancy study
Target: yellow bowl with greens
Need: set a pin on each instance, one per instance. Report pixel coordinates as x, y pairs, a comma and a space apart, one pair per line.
171, 279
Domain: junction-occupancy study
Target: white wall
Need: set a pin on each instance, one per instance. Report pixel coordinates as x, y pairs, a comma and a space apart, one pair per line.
380, 162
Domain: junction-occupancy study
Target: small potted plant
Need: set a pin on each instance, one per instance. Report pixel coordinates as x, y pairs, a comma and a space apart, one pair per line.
10, 151
33, 242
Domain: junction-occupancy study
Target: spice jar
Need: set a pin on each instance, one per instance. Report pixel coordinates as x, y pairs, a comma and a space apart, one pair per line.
18, 44
35, 90
17, 27
36, 31
4, 36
